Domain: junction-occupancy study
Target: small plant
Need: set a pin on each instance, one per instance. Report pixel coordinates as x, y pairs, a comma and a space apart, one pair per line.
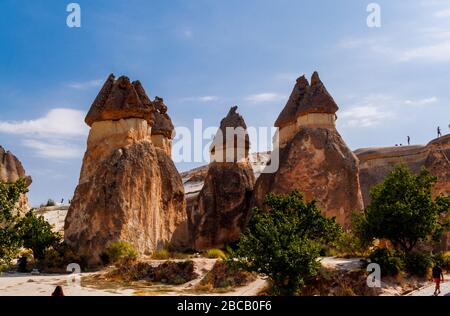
215, 254
161, 254
120, 250
417, 263
390, 264
169, 272
56, 259
223, 276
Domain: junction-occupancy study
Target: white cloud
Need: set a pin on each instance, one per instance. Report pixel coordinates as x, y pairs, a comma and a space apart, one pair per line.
85, 84
54, 149
51, 136
203, 99
376, 109
421, 102
439, 52
264, 97
365, 116
57, 122
445, 13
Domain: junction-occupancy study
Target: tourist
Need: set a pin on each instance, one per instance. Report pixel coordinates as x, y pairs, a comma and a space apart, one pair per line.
409, 140
58, 291
439, 132
438, 277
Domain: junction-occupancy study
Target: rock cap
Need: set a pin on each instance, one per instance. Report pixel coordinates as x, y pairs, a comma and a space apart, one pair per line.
120, 99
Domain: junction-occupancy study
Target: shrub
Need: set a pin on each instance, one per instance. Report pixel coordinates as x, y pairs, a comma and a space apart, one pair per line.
349, 244
169, 272
283, 242
223, 276
390, 264
403, 210
215, 254
37, 234
119, 250
57, 259
417, 263
161, 254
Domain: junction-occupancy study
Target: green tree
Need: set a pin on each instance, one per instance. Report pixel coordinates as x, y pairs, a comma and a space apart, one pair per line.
284, 242
10, 241
37, 234
403, 211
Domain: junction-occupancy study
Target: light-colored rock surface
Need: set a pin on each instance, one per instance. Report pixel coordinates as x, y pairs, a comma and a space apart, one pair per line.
129, 189
314, 158
223, 205
55, 215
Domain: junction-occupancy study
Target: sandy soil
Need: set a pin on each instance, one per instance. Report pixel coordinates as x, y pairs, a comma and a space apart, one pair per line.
25, 284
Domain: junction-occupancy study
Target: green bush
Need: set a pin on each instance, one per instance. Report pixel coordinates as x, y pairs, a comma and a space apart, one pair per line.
215, 254
37, 234
223, 276
169, 272
56, 259
161, 254
120, 250
417, 263
283, 242
350, 245
390, 264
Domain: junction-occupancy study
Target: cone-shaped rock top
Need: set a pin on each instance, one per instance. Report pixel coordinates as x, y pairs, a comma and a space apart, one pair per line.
120, 99
307, 98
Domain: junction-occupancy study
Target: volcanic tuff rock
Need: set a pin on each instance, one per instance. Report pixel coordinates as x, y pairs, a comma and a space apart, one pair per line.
129, 188
223, 204
11, 170
376, 163
313, 156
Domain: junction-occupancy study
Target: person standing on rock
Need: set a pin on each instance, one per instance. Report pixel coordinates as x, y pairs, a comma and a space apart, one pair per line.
409, 140
439, 132
438, 277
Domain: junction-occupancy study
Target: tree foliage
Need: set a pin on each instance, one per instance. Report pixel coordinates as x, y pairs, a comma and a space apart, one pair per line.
283, 242
37, 234
10, 241
403, 211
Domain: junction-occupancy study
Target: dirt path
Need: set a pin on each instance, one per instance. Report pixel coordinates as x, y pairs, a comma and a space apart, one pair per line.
429, 289
25, 284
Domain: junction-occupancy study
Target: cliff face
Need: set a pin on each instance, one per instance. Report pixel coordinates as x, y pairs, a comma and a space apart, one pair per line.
314, 158
11, 170
129, 189
223, 204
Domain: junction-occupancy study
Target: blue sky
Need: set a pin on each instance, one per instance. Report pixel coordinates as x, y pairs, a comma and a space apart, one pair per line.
202, 56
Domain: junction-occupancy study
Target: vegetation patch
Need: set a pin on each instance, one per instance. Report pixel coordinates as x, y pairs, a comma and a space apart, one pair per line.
170, 272
222, 277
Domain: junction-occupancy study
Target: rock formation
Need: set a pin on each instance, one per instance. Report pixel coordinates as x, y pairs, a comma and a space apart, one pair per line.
313, 156
223, 204
129, 189
376, 163
11, 170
